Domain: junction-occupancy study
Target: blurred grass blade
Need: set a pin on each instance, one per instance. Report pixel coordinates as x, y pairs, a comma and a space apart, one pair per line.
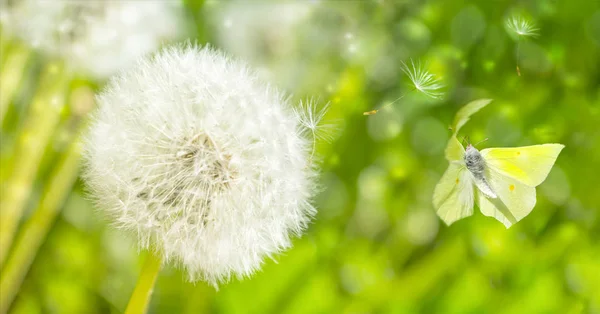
138, 304
34, 231
56, 190
11, 75
39, 125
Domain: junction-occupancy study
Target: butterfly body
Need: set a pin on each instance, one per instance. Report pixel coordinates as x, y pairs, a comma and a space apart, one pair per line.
476, 165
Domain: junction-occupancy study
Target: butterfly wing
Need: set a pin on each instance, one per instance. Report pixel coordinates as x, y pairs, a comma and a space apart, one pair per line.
529, 164
513, 174
515, 199
453, 197
464, 114
454, 150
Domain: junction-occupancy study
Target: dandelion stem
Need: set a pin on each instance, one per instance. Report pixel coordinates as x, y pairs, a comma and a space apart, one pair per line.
42, 119
138, 304
11, 75
35, 229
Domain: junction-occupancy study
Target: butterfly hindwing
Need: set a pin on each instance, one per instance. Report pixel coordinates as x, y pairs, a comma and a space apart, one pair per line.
453, 197
529, 164
515, 199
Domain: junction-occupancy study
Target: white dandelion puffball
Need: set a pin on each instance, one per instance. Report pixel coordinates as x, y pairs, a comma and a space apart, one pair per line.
205, 163
96, 37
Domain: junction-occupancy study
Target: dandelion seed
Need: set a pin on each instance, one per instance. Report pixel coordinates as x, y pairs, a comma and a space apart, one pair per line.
207, 165
421, 80
311, 120
523, 29
312, 125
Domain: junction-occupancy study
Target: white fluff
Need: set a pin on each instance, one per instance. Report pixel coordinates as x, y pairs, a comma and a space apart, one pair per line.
205, 163
521, 26
96, 37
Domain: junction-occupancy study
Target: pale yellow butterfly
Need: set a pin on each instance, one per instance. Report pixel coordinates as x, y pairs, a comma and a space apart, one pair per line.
501, 181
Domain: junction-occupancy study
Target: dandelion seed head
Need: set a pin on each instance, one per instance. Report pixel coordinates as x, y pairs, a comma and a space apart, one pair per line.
249, 32
521, 26
96, 37
205, 163
422, 80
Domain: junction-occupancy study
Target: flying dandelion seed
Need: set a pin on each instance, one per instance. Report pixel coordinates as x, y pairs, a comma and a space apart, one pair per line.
312, 124
421, 80
522, 28
311, 118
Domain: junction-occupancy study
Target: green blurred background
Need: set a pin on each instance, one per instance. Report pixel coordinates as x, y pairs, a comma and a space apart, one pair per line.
376, 245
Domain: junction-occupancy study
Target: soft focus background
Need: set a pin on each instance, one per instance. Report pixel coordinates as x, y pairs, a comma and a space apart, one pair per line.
376, 245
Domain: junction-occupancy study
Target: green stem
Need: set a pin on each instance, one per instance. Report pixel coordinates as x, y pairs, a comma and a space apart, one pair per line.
34, 231
41, 121
138, 304
13, 70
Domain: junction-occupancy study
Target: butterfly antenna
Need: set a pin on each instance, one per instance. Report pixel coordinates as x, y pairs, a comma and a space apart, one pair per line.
481, 141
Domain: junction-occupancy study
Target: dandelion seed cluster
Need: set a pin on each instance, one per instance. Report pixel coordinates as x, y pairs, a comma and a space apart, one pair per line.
205, 163
96, 37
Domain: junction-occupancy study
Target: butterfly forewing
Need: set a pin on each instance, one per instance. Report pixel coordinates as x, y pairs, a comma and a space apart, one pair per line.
529, 164
454, 150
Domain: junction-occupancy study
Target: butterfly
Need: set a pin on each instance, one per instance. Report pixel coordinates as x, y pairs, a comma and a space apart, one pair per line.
501, 181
